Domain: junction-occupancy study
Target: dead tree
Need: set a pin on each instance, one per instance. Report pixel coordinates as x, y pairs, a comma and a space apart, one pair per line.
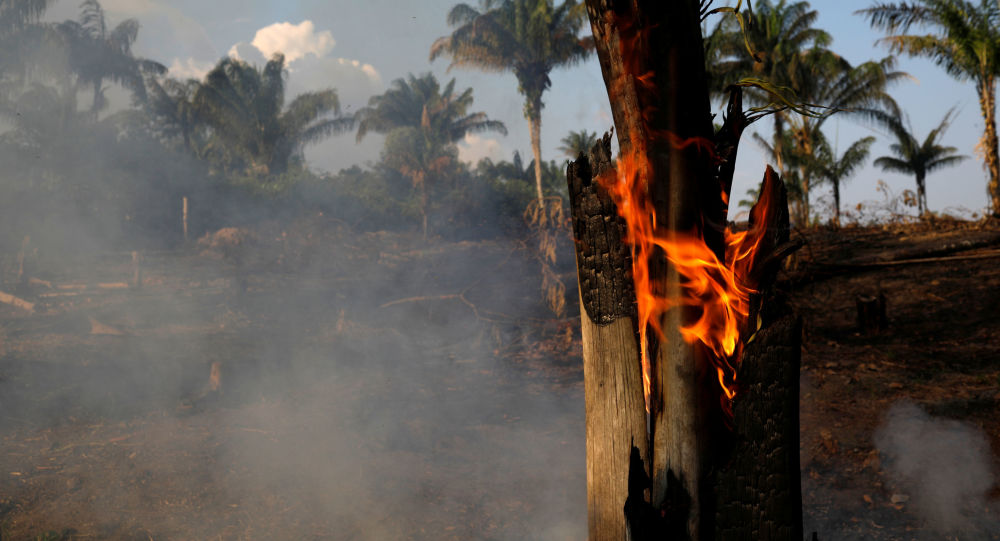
696, 461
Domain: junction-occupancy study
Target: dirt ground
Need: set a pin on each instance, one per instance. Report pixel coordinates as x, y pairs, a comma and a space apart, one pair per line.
376, 387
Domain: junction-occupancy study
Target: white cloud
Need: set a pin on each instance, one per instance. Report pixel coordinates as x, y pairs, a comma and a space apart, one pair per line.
474, 148
189, 68
294, 40
308, 59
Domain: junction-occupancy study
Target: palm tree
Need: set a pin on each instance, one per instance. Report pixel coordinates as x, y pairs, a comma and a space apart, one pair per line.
244, 106
964, 39
15, 14
171, 102
517, 173
423, 122
98, 53
829, 167
784, 44
19, 33
528, 38
578, 142
918, 159
859, 92
790, 54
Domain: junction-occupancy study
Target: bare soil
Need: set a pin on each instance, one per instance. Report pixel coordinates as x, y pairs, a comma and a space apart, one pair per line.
377, 387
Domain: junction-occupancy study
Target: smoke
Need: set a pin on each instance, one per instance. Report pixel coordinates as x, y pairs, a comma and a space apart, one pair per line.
945, 467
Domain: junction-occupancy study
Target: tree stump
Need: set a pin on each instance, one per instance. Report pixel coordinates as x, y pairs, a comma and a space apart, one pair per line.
871, 313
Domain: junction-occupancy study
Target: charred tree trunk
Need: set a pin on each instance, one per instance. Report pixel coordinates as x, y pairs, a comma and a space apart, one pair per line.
659, 101
677, 480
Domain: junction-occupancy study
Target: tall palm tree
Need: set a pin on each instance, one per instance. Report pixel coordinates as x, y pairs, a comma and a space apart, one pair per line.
528, 38
964, 39
98, 53
828, 167
244, 106
578, 142
423, 122
920, 158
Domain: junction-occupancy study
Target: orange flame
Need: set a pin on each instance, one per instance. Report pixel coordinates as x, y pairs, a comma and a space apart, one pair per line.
721, 289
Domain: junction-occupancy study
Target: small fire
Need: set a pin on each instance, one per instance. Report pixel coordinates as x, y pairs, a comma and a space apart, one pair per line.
721, 289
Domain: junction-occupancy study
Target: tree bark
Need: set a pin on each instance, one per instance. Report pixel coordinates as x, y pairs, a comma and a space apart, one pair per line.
987, 103
535, 127
836, 203
616, 416
757, 490
921, 196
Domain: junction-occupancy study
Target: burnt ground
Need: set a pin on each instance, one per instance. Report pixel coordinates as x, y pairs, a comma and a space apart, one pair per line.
377, 387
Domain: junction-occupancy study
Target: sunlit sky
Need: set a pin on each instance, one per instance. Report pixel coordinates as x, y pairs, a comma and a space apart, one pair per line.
359, 47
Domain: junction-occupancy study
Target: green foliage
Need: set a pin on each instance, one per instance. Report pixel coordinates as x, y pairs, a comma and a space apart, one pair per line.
423, 122
963, 38
525, 37
917, 158
98, 53
250, 130
528, 38
578, 142
827, 167
792, 70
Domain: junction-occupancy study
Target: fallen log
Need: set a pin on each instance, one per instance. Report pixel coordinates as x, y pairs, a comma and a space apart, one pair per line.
983, 241
821, 272
17, 302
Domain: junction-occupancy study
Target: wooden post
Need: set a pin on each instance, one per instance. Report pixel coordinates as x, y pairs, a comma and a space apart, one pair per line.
22, 272
136, 270
184, 217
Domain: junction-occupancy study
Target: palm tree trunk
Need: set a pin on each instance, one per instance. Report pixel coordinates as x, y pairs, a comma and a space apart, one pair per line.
423, 208
921, 196
779, 129
805, 142
535, 126
95, 107
836, 203
987, 102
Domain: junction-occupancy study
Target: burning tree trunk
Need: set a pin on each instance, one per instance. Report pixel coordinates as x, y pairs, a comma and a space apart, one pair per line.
665, 200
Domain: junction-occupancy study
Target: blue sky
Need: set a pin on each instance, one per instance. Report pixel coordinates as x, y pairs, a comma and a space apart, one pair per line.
359, 47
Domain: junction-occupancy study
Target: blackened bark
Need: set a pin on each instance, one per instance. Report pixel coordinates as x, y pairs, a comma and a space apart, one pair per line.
757, 487
604, 264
